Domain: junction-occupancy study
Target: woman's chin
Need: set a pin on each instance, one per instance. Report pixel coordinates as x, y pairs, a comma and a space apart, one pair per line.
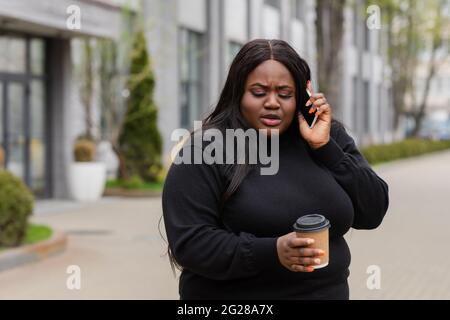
270, 132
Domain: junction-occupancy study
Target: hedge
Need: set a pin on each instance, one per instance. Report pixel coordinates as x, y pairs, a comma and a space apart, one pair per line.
404, 149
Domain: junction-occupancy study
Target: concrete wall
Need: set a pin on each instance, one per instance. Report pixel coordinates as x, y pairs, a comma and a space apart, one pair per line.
236, 15
49, 17
60, 117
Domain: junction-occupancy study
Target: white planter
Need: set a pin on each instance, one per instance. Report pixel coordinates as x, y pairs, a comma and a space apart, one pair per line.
87, 180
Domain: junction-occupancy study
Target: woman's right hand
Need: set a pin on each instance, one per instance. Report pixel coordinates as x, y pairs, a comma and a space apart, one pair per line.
294, 254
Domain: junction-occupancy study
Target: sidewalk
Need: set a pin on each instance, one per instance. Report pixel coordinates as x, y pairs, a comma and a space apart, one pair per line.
117, 245
411, 246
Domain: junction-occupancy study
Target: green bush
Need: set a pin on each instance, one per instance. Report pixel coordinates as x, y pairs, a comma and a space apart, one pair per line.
135, 182
403, 149
84, 151
16, 205
140, 140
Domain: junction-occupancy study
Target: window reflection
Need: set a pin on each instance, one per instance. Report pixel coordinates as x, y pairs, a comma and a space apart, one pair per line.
37, 141
16, 128
12, 54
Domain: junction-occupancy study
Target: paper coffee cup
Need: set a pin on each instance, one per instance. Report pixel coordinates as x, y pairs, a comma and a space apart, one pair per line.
315, 226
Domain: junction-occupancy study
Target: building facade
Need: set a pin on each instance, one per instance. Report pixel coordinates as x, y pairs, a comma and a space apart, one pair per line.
193, 42
366, 100
36, 87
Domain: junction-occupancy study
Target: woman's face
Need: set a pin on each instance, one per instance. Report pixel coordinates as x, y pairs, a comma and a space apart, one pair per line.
269, 97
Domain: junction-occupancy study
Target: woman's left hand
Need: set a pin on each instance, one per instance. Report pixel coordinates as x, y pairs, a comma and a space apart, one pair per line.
319, 135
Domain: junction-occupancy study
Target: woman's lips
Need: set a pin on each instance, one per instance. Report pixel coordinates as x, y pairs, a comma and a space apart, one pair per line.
271, 122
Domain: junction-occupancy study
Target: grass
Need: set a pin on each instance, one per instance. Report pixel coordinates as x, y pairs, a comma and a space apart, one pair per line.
377, 154
151, 186
35, 233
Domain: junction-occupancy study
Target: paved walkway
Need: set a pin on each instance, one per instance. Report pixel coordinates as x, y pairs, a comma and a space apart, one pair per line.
411, 246
119, 250
115, 243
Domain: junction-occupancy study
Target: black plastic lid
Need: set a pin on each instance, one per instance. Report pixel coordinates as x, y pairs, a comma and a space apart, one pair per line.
311, 222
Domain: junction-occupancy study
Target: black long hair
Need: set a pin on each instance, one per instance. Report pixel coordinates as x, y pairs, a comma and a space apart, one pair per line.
227, 114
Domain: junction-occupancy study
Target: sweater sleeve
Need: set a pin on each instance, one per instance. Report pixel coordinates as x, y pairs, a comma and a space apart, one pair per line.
368, 192
199, 243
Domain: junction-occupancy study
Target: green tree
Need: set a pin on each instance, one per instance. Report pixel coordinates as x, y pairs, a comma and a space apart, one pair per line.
330, 32
415, 35
140, 140
113, 71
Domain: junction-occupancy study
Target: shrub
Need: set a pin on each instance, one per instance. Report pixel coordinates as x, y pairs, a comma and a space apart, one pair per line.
140, 140
16, 205
135, 182
403, 149
84, 151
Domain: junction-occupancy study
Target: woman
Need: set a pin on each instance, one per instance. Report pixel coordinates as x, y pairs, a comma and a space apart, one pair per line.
230, 228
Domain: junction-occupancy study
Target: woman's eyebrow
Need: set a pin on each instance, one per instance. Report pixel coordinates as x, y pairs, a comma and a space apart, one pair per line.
267, 87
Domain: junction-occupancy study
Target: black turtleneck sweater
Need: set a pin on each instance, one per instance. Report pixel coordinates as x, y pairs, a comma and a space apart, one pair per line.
232, 254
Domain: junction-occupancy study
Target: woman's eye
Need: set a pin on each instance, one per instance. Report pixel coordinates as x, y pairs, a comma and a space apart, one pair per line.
285, 96
258, 94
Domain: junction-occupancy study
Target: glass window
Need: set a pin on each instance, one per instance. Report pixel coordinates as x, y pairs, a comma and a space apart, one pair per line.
37, 141
273, 3
366, 38
366, 106
298, 9
12, 54
16, 137
355, 26
233, 50
355, 104
37, 57
191, 55
381, 119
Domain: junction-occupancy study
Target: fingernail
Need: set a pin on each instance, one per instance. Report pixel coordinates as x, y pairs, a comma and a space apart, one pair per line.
311, 110
317, 261
310, 269
308, 103
321, 253
310, 241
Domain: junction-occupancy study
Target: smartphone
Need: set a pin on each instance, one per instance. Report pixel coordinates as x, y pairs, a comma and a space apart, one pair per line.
311, 118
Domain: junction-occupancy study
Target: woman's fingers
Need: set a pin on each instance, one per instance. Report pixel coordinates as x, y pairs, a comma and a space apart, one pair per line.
314, 98
305, 261
295, 242
317, 104
300, 268
309, 252
325, 108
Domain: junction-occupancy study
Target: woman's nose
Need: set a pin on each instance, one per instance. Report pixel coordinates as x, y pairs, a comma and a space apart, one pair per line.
272, 101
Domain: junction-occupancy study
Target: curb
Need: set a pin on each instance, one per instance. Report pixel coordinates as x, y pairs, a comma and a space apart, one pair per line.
12, 258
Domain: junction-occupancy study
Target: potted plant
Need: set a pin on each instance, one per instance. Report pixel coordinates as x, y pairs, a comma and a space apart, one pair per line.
87, 177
